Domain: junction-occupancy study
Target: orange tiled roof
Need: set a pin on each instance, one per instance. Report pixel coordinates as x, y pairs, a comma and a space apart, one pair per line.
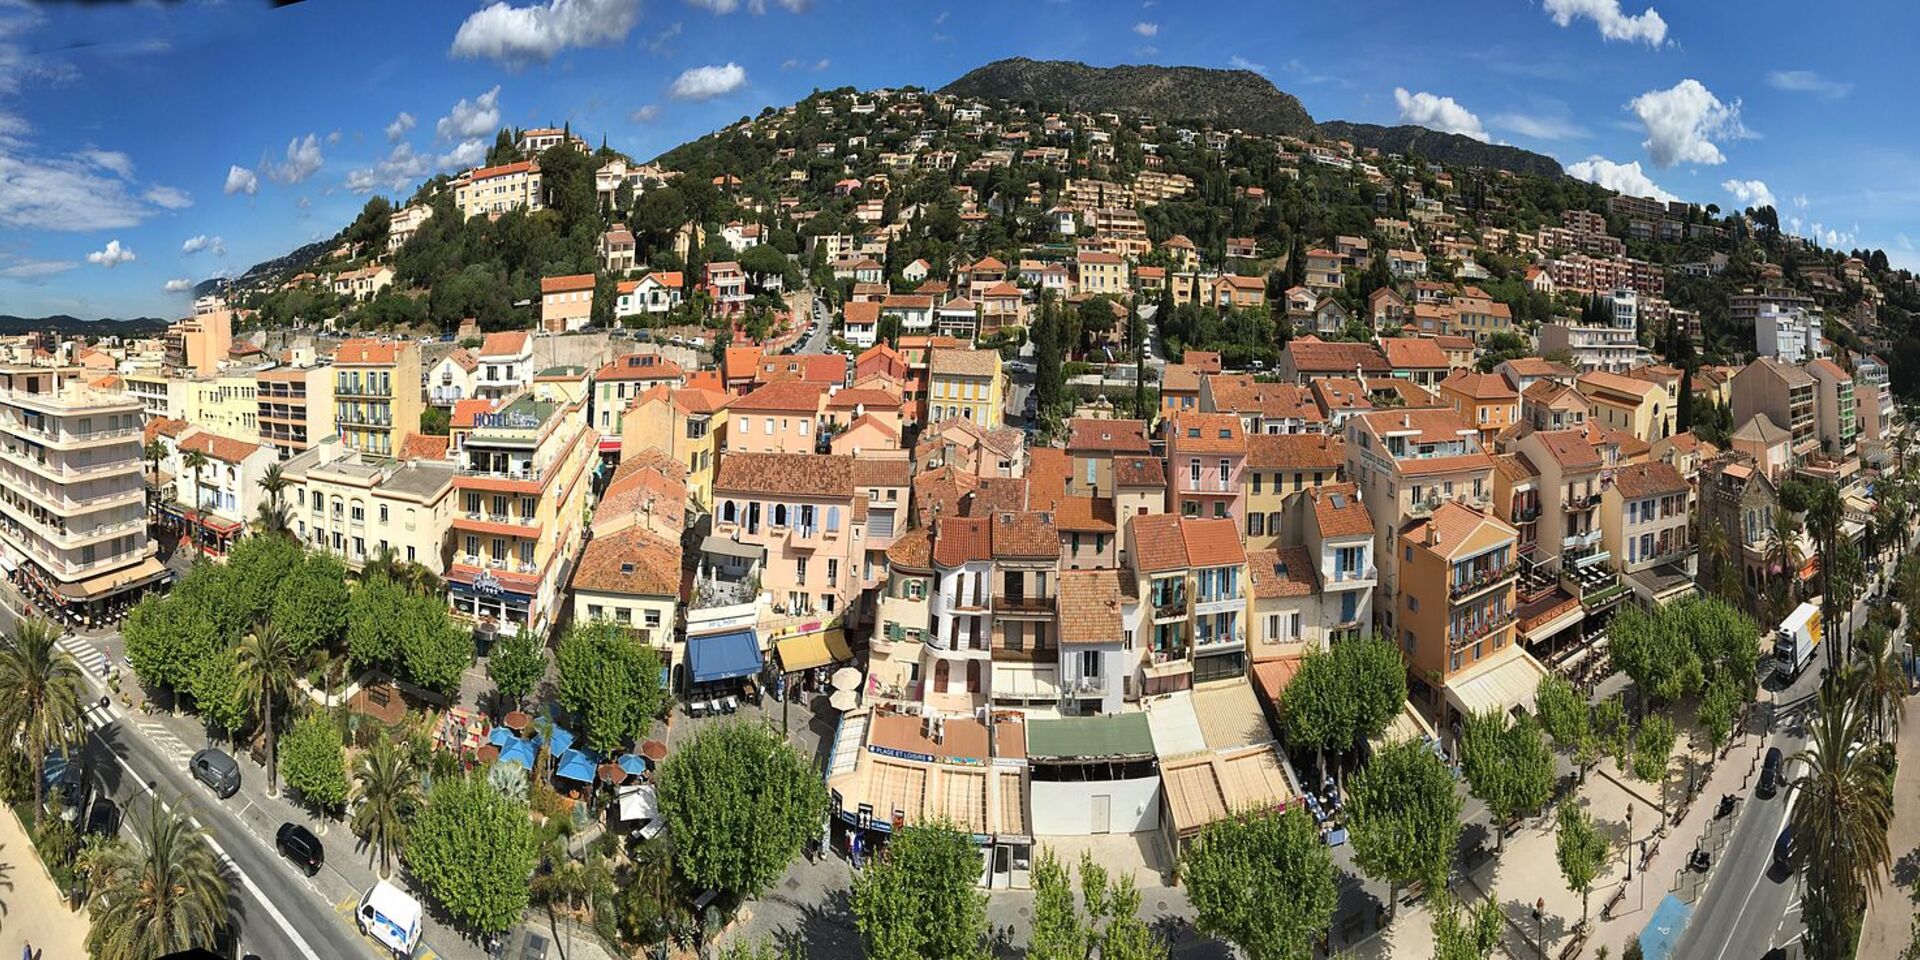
1285, 572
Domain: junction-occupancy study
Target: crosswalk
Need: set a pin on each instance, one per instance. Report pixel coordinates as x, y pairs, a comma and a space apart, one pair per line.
88, 654
100, 713
164, 740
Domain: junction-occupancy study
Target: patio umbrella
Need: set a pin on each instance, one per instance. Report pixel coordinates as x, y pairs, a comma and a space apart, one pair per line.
489, 753
633, 764
516, 721
612, 773
654, 750
847, 678
843, 700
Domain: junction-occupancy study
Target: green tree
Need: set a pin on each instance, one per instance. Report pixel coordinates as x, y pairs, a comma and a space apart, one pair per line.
386, 797
1653, 748
1404, 817
313, 761
1508, 765
1343, 696
218, 692
166, 895
1565, 716
1581, 850
1880, 677
311, 604
1466, 933
435, 422
1840, 821
1264, 882
740, 803
1058, 932
473, 852
373, 629
435, 650
515, 665
257, 569
40, 699
611, 682
266, 666
920, 900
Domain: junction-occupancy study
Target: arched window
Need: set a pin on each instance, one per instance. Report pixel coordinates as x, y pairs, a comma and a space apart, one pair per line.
833, 519
779, 514
728, 512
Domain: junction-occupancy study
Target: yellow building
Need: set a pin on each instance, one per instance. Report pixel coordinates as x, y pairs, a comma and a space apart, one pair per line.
519, 511
352, 506
376, 390
1280, 465
1102, 273
161, 396
1631, 406
684, 424
227, 405
495, 190
1458, 607
966, 383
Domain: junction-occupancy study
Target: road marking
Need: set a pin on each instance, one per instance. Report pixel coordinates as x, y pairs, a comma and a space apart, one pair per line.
258, 894
88, 654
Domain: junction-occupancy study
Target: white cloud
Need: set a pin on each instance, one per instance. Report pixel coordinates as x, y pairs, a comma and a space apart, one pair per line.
724, 7
195, 244
1147, 29
177, 286
1683, 121
706, 83
1625, 178
241, 180
303, 159
112, 256
1614, 24
1750, 193
1807, 81
63, 193
112, 161
645, 114
1828, 236
399, 170
517, 36
171, 198
479, 117
660, 40
795, 63
399, 127
1541, 127
1904, 241
31, 271
333, 139
469, 153
1438, 113
1800, 200
1239, 62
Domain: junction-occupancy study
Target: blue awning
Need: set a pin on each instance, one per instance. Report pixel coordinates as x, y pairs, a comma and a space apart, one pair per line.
577, 765
723, 656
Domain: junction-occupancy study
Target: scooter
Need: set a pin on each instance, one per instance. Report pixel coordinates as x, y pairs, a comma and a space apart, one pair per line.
1699, 860
1725, 808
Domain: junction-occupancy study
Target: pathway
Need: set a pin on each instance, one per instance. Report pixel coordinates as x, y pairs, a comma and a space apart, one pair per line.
1889, 922
32, 912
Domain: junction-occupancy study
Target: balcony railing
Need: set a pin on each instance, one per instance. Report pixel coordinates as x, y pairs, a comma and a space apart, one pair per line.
1482, 580
1527, 514
1170, 610
1088, 685
1467, 635
1349, 576
1214, 641
531, 473
1022, 603
1581, 541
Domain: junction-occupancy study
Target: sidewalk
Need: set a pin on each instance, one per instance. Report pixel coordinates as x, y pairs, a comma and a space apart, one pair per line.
34, 913
1889, 923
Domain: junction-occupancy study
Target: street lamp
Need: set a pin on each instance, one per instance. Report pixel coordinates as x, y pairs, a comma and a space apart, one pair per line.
1539, 927
1629, 841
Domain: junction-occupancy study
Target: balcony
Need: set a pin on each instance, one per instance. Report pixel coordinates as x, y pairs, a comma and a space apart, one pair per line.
1088, 686
362, 418
1355, 577
1482, 581
1462, 637
1581, 541
1421, 509
1167, 663
66, 471
1021, 604
1172, 609
528, 473
1216, 642
1527, 514
350, 388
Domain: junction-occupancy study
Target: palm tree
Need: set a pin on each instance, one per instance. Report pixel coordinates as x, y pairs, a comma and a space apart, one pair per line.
1784, 556
167, 895
1840, 821
386, 793
1718, 551
1823, 522
154, 451
267, 666
195, 461
40, 698
1879, 681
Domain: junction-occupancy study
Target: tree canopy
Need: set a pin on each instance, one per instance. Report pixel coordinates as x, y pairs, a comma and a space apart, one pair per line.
611, 682
1264, 882
740, 803
921, 900
473, 851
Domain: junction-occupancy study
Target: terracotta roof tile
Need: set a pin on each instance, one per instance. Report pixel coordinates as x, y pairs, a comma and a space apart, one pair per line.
504, 343
1115, 436
799, 474
1479, 386
1286, 572
960, 540
882, 472
217, 447
1413, 353
1139, 472
566, 284
1296, 451
1570, 448
782, 396
420, 446
1638, 480
1317, 357
913, 549
632, 561
1157, 543
1191, 432
1090, 606
1337, 510
1028, 535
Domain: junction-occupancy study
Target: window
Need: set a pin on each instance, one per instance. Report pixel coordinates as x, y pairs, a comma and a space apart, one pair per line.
596, 612
833, 519
833, 572
652, 616
473, 546
1256, 523
383, 513
769, 429
1193, 470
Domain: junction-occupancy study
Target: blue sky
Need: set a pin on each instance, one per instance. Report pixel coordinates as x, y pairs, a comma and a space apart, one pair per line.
149, 143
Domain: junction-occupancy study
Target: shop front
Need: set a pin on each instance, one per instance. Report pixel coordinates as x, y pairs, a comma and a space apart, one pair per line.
497, 604
210, 534
99, 600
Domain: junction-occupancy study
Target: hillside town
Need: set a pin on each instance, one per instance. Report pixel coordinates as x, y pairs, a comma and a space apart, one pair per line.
1081, 491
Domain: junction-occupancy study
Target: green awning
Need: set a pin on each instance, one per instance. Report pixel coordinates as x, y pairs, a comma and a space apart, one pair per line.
1121, 735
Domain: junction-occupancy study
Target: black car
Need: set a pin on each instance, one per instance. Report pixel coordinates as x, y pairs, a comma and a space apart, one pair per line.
299, 845
1769, 774
1783, 851
104, 819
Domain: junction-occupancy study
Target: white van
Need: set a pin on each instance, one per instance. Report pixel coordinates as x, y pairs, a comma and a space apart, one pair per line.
391, 917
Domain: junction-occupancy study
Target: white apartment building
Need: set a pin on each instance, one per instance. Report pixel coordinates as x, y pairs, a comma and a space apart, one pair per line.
495, 190
1614, 348
1789, 334
73, 514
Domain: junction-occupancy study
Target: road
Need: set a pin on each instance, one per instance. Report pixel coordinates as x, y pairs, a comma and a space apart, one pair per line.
1748, 909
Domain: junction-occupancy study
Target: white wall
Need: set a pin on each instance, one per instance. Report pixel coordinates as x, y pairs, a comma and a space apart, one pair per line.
1066, 809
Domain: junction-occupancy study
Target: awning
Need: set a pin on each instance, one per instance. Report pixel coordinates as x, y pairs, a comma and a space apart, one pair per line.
106, 584
577, 765
638, 802
1020, 681
720, 546
813, 650
723, 656
610, 444
1509, 679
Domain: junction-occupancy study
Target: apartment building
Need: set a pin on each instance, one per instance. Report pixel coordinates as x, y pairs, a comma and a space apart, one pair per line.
1099, 616
1338, 543
1278, 467
781, 417
966, 383
1406, 464
161, 396
200, 342
1646, 526
1190, 574
1457, 612
1207, 454
353, 506
1839, 413
621, 380
1788, 395
1789, 334
504, 364
1483, 399
1570, 468
805, 521
376, 391
1024, 608
452, 379
1101, 273
519, 499
1613, 347
631, 577
295, 407
216, 502
73, 516
685, 424
402, 224
566, 303
496, 190
227, 404
1283, 590
1095, 446
1639, 408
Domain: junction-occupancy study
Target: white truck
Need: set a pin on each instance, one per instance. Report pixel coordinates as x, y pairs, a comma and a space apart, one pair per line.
391, 917
1797, 638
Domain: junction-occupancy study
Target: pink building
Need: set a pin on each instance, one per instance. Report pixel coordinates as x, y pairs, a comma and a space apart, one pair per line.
781, 417
1206, 454
804, 512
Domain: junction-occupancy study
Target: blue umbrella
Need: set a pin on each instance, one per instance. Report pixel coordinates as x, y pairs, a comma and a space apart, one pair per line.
633, 763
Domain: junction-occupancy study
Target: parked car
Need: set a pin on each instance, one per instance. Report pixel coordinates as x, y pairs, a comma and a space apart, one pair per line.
104, 819
216, 769
299, 845
1769, 774
1783, 850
